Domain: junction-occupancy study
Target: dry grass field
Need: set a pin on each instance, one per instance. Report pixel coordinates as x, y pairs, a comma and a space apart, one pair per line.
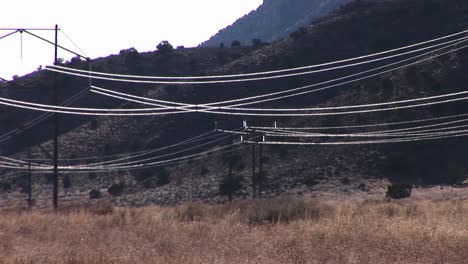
272, 231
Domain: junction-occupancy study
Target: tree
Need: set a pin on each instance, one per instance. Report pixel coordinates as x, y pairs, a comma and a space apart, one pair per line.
164, 47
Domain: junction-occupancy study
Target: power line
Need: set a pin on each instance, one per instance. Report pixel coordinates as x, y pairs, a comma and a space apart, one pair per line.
367, 142
124, 156
269, 72
59, 69
40, 118
214, 105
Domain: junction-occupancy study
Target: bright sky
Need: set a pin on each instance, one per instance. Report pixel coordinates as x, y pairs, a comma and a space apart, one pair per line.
102, 27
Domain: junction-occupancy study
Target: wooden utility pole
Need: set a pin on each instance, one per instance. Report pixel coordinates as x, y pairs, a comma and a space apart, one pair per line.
55, 96
260, 171
30, 203
254, 161
56, 125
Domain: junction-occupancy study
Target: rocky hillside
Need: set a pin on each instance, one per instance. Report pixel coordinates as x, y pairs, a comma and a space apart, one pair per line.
273, 20
359, 28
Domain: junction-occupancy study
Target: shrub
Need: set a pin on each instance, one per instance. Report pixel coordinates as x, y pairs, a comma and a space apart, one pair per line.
163, 177
345, 181
94, 124
204, 170
229, 186
95, 194
235, 43
5, 186
399, 191
298, 33
92, 176
66, 182
310, 181
116, 189
258, 43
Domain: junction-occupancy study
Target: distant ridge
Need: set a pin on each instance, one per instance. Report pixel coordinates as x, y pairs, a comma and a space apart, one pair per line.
273, 20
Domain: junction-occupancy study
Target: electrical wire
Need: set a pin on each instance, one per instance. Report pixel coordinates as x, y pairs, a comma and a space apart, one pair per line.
368, 142
30, 124
124, 156
197, 107
267, 72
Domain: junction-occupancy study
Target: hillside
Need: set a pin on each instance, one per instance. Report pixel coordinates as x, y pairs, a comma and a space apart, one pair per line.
273, 20
364, 27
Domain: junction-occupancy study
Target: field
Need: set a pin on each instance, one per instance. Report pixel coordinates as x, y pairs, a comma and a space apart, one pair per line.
286, 230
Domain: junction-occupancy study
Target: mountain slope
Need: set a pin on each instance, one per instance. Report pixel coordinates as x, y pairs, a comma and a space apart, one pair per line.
365, 27
273, 20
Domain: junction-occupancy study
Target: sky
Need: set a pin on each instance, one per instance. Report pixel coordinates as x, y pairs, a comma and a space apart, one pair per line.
102, 27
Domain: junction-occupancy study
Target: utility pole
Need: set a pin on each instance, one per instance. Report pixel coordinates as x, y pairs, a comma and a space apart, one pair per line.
55, 96
56, 125
30, 203
260, 170
254, 161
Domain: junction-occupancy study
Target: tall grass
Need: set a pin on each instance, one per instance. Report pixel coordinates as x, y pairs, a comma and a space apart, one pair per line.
266, 231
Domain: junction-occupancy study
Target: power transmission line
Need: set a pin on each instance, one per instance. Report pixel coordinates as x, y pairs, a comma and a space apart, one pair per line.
215, 105
267, 72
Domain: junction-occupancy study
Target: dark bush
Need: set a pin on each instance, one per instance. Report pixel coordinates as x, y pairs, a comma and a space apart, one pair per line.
204, 171
345, 181
5, 186
229, 186
399, 191
116, 189
94, 124
310, 180
92, 176
298, 33
163, 177
66, 182
235, 43
95, 194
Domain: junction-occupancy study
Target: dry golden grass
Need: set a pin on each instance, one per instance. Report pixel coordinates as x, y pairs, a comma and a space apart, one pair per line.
275, 231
